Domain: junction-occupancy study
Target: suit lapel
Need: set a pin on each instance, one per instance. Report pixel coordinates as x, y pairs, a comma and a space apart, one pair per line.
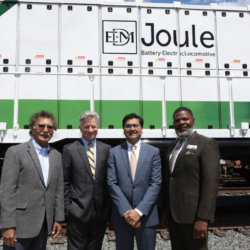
142, 155
51, 164
33, 154
81, 150
124, 152
99, 154
169, 151
181, 154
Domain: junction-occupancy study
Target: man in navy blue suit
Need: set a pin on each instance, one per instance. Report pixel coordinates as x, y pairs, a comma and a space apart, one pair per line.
134, 182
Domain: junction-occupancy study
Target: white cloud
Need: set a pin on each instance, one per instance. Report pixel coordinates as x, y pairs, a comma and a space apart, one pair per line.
242, 3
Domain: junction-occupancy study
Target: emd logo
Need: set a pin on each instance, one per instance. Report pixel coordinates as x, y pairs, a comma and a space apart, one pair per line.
119, 37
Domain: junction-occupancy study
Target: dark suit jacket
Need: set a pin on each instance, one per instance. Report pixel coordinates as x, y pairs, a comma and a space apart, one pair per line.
24, 197
80, 189
191, 190
141, 193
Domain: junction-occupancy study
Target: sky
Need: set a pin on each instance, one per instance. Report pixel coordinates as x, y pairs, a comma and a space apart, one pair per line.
239, 3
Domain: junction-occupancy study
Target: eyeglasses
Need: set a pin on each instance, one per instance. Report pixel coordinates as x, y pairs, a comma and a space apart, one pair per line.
136, 126
42, 126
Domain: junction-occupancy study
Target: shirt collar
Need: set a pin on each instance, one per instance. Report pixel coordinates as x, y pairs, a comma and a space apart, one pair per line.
38, 148
136, 145
86, 143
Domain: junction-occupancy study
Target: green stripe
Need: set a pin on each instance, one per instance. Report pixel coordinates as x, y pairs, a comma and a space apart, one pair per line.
205, 113
6, 112
112, 112
3, 8
70, 111
28, 107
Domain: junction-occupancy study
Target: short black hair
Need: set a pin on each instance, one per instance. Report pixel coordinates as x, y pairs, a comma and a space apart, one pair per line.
132, 116
183, 109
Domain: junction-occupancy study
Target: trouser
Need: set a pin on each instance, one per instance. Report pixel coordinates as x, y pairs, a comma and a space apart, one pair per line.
181, 236
124, 237
85, 236
37, 243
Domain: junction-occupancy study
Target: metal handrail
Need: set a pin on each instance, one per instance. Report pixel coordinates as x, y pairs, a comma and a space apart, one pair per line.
91, 76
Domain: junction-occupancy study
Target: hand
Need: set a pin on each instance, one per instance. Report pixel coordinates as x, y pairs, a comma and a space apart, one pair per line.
9, 237
56, 229
132, 217
200, 228
137, 225
164, 219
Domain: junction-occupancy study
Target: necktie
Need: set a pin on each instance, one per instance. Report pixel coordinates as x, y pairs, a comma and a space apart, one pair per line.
91, 158
174, 155
133, 162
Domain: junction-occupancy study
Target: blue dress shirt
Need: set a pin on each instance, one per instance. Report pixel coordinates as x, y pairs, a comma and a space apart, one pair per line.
43, 156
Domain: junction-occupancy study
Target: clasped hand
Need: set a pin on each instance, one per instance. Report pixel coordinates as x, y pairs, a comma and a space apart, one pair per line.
133, 218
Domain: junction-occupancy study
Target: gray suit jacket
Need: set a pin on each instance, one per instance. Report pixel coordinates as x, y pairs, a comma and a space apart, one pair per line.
24, 198
191, 189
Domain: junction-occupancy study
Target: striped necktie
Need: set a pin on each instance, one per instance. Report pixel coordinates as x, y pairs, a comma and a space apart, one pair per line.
91, 158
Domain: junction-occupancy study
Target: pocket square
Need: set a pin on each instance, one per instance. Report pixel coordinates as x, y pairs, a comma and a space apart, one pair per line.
189, 152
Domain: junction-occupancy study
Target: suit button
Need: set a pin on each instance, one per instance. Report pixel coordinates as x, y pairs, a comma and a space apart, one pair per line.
133, 187
171, 178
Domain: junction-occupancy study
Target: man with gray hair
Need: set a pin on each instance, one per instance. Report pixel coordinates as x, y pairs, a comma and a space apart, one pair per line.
86, 196
32, 188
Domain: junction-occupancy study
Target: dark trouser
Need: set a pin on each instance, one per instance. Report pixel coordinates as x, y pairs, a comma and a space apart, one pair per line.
37, 243
85, 236
145, 237
181, 236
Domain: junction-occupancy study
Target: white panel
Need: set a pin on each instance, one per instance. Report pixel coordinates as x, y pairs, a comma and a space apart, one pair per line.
152, 85
38, 86
8, 34
158, 47
78, 87
119, 37
199, 88
79, 38
38, 34
7, 83
120, 87
233, 39
241, 86
197, 38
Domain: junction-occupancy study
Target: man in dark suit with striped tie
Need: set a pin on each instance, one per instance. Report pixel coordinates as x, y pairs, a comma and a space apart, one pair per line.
85, 187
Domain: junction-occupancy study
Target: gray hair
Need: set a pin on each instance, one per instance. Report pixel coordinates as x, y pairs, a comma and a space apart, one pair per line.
88, 115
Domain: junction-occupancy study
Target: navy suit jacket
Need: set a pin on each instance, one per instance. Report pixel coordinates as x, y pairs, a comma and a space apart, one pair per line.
142, 193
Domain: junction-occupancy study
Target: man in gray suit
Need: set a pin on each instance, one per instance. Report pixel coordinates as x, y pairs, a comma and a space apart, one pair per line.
190, 184
32, 188
134, 182
85, 191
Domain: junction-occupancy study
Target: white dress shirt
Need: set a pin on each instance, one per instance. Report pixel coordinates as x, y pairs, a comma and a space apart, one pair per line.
43, 156
137, 152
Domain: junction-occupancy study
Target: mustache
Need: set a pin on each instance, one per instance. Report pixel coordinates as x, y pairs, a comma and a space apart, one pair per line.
46, 134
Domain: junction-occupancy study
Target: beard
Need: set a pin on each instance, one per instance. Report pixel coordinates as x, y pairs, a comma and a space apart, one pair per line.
184, 134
